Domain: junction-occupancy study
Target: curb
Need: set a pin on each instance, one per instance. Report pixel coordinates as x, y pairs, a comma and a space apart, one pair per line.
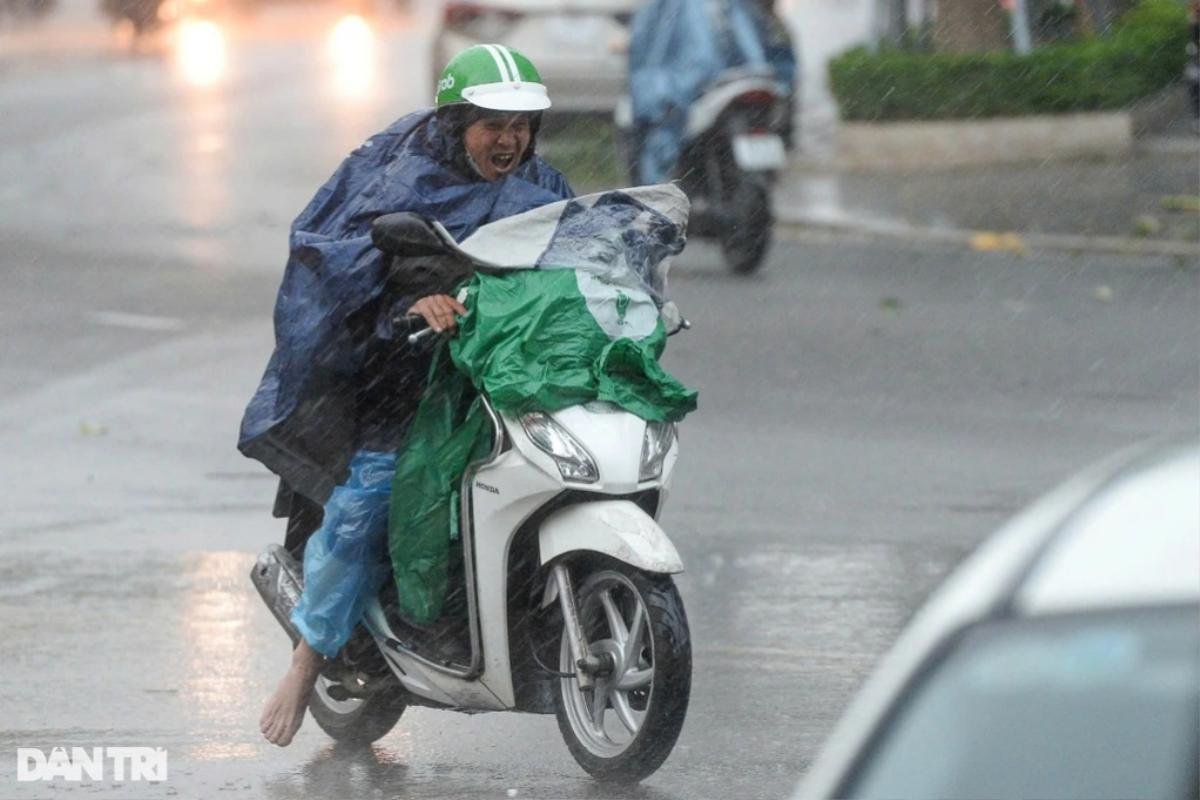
795, 225
924, 144
1168, 146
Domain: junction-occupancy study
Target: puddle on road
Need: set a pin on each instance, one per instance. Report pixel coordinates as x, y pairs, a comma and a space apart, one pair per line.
215, 623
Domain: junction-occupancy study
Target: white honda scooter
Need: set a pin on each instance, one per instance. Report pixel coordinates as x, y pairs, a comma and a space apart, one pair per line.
568, 602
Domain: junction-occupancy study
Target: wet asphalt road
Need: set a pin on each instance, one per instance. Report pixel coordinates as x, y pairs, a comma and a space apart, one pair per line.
868, 413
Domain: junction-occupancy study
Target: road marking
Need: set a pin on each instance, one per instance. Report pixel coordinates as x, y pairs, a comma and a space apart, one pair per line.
137, 322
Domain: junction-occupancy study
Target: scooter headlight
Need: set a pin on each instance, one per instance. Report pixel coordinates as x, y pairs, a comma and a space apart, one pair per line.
573, 460
655, 445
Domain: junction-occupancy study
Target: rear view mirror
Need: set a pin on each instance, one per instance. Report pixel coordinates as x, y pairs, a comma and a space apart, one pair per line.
424, 259
406, 234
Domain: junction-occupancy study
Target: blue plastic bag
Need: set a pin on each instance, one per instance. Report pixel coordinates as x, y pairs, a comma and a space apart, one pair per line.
346, 561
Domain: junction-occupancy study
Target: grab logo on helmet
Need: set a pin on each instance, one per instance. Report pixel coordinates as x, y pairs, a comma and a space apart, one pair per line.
492, 76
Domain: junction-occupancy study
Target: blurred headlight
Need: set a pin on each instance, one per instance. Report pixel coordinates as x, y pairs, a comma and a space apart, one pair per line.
200, 52
655, 445
572, 459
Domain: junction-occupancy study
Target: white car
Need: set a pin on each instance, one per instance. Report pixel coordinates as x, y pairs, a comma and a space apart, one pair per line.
1062, 660
578, 46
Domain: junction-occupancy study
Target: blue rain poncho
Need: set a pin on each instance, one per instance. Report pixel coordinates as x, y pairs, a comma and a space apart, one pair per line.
332, 311
677, 49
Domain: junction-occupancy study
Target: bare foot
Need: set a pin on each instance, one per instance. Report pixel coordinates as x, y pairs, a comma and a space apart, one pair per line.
284, 712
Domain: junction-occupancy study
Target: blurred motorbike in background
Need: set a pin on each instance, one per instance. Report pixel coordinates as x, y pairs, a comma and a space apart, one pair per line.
710, 105
733, 149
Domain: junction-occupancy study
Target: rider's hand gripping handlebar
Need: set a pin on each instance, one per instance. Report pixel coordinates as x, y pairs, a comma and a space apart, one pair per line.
416, 326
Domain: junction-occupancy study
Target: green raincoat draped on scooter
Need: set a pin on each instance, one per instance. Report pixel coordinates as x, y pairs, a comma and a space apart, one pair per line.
566, 307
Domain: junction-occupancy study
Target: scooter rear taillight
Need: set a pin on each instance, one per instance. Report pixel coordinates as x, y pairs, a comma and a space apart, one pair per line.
756, 98
757, 107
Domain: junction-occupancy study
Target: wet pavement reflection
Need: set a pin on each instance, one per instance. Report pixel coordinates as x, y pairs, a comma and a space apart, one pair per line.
868, 413
825, 485
176, 650
202, 122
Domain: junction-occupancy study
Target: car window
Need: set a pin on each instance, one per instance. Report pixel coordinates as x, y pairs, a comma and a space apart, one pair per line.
1095, 705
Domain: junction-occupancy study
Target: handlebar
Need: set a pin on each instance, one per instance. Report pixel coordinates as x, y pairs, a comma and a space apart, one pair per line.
684, 325
416, 327
420, 336
413, 327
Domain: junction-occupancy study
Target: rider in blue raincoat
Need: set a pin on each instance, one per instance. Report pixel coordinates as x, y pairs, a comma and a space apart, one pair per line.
340, 388
677, 48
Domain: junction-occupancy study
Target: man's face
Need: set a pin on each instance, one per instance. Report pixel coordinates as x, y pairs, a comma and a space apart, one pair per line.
497, 144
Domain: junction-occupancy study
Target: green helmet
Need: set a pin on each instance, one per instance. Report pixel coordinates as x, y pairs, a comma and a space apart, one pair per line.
492, 76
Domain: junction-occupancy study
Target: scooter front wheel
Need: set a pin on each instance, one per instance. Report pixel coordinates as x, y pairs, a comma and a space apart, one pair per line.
625, 724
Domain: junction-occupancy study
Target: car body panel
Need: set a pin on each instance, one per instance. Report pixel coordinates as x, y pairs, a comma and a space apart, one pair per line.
578, 47
1096, 562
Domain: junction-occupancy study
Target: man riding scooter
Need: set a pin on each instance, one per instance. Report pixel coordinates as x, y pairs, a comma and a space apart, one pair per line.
340, 391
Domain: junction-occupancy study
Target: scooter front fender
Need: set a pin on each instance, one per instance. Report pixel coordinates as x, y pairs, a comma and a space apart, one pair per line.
616, 528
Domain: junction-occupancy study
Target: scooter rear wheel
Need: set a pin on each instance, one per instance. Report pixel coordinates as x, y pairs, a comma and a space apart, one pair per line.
747, 237
353, 721
625, 725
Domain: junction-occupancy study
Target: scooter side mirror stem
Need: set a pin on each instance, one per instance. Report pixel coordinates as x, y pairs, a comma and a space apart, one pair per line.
684, 325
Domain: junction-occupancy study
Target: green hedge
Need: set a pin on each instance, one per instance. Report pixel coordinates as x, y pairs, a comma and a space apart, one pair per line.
1145, 53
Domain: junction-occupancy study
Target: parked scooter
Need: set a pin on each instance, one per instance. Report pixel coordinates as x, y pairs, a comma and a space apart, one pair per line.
569, 604
733, 150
